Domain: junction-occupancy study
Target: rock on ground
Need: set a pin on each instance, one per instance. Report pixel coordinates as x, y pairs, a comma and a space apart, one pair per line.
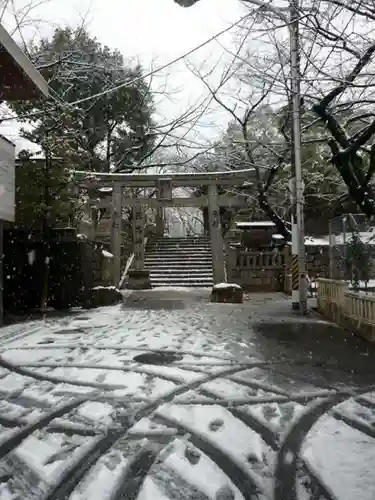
105, 296
227, 292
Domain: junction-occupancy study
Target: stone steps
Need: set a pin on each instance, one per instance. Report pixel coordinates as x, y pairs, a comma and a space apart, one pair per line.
182, 262
170, 261
181, 281
191, 251
177, 270
176, 262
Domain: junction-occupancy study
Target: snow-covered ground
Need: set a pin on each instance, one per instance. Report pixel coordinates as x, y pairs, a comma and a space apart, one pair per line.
81, 419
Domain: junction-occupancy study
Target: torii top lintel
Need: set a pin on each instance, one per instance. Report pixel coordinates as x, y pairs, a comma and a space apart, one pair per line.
100, 179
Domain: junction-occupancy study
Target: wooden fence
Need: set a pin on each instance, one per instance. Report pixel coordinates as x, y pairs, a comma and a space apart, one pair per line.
352, 310
360, 307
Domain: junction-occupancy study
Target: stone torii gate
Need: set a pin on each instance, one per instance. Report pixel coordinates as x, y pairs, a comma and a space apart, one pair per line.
163, 185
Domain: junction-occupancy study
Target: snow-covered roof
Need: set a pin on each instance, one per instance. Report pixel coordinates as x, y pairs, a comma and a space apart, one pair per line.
20, 78
38, 159
340, 239
266, 223
221, 286
309, 240
364, 236
321, 242
107, 254
178, 179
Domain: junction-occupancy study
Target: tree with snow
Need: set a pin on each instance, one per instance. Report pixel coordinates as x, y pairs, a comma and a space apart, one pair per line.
337, 77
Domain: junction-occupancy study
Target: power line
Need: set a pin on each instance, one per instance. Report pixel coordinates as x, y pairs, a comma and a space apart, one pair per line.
164, 66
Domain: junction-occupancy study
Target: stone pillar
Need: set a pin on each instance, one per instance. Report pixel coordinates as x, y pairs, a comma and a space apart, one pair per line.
116, 237
163, 192
159, 220
138, 236
217, 243
138, 276
95, 219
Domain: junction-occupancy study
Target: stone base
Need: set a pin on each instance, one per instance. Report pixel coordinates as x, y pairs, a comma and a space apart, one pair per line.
105, 296
139, 280
232, 294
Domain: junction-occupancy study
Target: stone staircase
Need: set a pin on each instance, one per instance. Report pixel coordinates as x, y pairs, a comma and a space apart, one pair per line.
182, 262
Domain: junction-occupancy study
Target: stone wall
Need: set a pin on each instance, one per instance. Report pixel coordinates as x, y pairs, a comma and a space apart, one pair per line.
256, 271
317, 261
265, 271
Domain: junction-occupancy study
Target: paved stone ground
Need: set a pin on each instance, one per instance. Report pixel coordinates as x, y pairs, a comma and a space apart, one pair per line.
170, 397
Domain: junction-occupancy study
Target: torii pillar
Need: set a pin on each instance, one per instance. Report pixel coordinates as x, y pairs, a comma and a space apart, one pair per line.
159, 216
159, 221
217, 243
116, 234
163, 192
138, 276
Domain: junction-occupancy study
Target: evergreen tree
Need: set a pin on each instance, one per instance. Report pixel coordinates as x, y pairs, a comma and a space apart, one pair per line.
105, 128
43, 192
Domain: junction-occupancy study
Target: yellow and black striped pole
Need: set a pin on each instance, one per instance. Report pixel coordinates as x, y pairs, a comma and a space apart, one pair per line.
295, 241
295, 282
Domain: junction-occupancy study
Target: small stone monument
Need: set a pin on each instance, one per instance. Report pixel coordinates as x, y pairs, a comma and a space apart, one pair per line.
105, 296
230, 293
139, 279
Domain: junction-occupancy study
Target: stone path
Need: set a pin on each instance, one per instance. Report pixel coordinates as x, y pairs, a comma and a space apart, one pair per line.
170, 397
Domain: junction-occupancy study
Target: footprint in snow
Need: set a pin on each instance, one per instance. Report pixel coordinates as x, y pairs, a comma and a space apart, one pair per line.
216, 424
269, 412
5, 478
192, 455
225, 493
252, 458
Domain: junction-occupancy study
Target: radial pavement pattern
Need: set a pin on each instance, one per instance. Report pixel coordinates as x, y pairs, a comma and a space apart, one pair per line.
171, 398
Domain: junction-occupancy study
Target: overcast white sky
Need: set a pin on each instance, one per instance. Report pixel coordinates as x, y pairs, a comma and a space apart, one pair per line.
155, 31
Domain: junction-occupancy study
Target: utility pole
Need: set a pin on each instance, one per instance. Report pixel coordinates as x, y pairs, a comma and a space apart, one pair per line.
1, 272
298, 229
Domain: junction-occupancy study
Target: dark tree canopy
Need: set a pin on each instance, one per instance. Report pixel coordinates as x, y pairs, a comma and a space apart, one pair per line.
99, 129
32, 204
